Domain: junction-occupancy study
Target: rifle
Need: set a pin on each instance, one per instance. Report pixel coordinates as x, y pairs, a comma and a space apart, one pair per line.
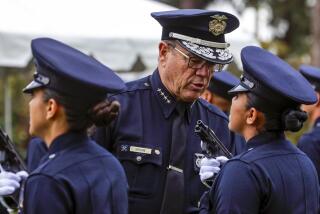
11, 161
212, 145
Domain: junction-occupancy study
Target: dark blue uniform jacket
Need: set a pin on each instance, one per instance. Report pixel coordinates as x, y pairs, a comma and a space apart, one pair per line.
272, 177
36, 150
141, 136
76, 176
309, 143
239, 144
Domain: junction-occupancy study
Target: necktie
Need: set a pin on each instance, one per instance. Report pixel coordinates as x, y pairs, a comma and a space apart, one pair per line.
173, 199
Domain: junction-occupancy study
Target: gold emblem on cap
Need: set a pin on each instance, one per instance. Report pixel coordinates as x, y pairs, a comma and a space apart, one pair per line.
218, 24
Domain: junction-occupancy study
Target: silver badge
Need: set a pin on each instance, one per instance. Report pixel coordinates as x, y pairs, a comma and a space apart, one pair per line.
124, 148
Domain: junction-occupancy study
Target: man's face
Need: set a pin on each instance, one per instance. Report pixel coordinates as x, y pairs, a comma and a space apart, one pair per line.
183, 81
37, 113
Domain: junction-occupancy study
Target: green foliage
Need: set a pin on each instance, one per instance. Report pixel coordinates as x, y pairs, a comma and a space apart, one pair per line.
17, 80
291, 20
297, 14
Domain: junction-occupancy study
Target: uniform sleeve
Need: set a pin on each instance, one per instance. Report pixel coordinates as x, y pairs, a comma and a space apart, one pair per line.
120, 195
43, 194
236, 190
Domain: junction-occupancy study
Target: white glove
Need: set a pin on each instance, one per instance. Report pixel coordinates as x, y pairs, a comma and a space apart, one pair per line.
10, 182
211, 166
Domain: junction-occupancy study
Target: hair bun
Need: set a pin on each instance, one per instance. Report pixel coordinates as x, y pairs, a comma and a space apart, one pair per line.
103, 113
293, 119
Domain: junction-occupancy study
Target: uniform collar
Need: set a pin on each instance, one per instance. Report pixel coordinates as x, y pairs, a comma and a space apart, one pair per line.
167, 101
317, 123
66, 140
264, 138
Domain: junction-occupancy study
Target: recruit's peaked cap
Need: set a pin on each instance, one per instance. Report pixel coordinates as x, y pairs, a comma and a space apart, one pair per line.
268, 76
66, 70
222, 82
312, 74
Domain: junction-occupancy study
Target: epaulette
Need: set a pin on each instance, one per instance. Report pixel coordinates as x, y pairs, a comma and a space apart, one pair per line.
140, 84
247, 156
212, 108
243, 155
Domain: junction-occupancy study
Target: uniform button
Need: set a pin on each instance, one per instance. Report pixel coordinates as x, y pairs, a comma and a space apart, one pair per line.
139, 158
52, 156
146, 84
157, 152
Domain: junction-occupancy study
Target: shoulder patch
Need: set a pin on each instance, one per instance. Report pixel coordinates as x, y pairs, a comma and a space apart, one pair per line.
213, 109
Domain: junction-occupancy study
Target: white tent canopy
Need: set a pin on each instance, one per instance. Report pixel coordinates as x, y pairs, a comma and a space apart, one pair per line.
114, 32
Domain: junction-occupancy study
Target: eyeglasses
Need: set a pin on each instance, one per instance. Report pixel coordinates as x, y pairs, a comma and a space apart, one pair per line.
197, 63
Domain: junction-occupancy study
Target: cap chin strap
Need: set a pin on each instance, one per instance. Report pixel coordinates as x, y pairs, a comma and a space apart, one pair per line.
199, 41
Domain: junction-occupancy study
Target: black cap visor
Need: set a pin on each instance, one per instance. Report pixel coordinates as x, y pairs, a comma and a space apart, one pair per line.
32, 86
238, 89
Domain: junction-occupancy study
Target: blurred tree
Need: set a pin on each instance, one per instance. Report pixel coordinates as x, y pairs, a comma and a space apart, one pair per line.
315, 51
291, 21
17, 80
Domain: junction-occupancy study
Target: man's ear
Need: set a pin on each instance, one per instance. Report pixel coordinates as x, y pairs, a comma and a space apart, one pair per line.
52, 108
163, 52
